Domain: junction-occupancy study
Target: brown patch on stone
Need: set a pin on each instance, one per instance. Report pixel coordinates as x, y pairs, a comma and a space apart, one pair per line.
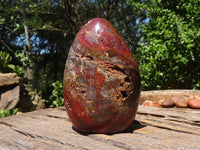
194, 103
181, 104
168, 103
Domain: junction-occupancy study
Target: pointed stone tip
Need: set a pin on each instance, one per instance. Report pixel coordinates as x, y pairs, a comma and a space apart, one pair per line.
100, 34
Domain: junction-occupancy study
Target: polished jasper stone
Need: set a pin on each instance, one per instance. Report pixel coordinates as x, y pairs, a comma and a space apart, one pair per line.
101, 80
168, 103
194, 103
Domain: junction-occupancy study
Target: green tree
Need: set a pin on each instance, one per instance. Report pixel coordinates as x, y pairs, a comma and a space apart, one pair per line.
169, 52
9, 26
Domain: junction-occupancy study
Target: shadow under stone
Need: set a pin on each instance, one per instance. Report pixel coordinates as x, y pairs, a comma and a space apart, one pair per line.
135, 125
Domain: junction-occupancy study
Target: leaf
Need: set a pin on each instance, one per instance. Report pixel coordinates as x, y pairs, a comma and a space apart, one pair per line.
2, 20
11, 66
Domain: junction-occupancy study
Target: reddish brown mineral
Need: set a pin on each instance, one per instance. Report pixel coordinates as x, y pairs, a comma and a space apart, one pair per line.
148, 103
168, 103
182, 103
194, 103
101, 80
151, 103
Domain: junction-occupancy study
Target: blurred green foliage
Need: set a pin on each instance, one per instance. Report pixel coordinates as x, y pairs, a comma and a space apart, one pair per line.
56, 98
169, 51
7, 112
6, 66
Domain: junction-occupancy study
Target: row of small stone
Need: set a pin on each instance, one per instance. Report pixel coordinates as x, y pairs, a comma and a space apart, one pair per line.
180, 102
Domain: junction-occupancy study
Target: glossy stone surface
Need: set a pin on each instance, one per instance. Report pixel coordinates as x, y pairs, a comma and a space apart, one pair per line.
182, 103
101, 80
194, 103
168, 103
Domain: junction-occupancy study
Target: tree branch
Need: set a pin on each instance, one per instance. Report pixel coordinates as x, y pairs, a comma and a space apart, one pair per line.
48, 29
26, 28
8, 47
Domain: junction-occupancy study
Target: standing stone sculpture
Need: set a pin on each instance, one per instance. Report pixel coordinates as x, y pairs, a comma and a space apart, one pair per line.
101, 82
